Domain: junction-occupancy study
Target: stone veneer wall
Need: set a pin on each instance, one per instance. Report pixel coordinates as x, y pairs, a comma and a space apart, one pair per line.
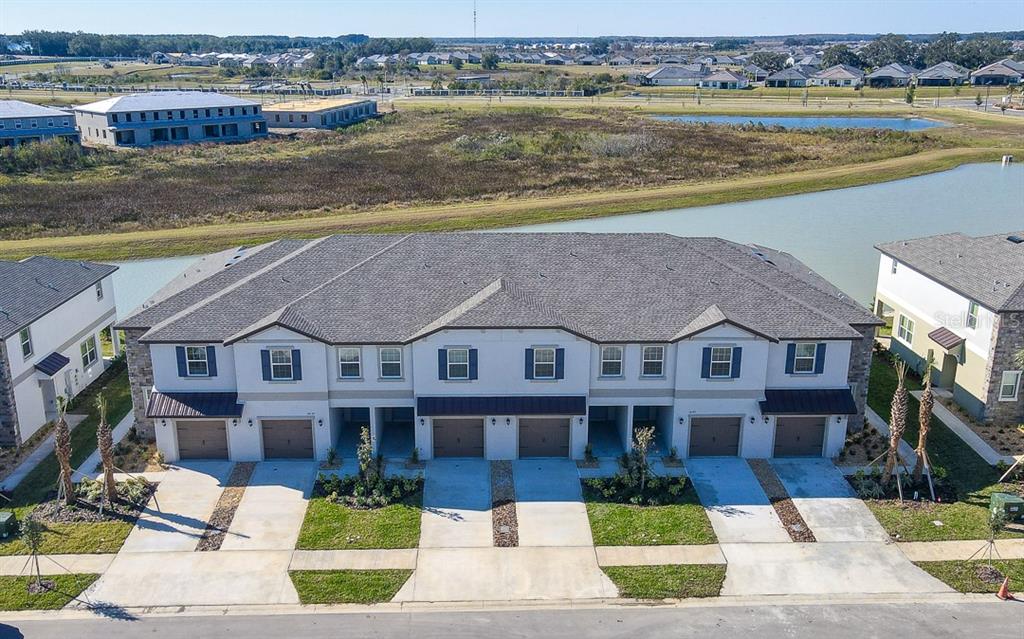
140, 376
1007, 341
860, 369
10, 433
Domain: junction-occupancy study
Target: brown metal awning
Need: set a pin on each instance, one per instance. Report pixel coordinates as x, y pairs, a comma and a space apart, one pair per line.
193, 405
946, 338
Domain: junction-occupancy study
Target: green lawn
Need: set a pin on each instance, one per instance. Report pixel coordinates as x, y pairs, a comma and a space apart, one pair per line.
667, 582
974, 479
614, 524
14, 593
100, 537
961, 575
330, 526
348, 586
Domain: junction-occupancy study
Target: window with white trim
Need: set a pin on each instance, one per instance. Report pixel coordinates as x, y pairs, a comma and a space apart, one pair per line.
543, 363
803, 357
1009, 386
350, 365
25, 337
281, 364
99, 290
972, 315
611, 361
88, 351
653, 362
458, 363
905, 329
196, 364
390, 363
721, 361
892, 269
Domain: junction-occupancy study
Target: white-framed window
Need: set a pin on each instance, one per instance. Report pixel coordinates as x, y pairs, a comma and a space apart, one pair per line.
803, 357
543, 363
972, 315
350, 365
458, 363
88, 350
99, 290
196, 364
25, 337
390, 362
892, 269
905, 329
611, 361
721, 361
1009, 386
653, 362
281, 364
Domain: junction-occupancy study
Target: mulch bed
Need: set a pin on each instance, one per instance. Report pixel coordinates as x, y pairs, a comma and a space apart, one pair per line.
224, 512
503, 505
863, 447
85, 511
781, 502
989, 574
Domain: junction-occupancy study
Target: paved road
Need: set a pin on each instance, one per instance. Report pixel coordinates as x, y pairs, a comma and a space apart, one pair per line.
995, 620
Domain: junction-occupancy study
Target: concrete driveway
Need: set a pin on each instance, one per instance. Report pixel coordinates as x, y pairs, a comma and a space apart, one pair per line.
456, 504
273, 507
549, 504
736, 505
827, 502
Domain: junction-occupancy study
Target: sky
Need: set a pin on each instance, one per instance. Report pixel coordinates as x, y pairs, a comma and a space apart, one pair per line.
511, 18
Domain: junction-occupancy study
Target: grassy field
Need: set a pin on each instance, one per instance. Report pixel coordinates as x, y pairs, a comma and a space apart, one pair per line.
330, 526
667, 582
14, 593
348, 586
615, 524
962, 575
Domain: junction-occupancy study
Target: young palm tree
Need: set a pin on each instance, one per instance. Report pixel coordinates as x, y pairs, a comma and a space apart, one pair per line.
897, 420
62, 450
924, 419
105, 443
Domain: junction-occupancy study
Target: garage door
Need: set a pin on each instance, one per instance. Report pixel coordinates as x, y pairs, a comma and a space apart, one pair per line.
544, 437
202, 439
458, 438
287, 438
799, 436
714, 436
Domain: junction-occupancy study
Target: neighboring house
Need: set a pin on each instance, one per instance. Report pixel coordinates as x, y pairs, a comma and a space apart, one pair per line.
588, 60
724, 79
53, 314
22, 122
684, 75
961, 299
169, 117
892, 75
619, 61
499, 346
943, 74
321, 114
755, 73
790, 77
1004, 72
840, 75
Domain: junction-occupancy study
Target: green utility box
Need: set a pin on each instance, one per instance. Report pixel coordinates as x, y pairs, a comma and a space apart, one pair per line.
1012, 505
8, 524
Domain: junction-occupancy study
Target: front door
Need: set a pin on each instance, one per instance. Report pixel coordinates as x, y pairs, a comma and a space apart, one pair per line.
49, 399
947, 376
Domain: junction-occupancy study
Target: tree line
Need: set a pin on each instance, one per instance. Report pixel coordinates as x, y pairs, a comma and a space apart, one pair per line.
81, 44
891, 48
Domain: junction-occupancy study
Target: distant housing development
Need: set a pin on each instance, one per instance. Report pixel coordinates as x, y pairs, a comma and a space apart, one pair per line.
320, 114
22, 122
169, 117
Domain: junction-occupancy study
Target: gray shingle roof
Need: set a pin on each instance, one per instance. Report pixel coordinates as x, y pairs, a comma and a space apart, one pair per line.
943, 71
987, 269
35, 286
157, 100
894, 70
604, 287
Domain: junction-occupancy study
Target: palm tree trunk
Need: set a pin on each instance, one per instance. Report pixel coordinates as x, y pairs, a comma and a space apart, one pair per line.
897, 420
62, 450
105, 443
924, 416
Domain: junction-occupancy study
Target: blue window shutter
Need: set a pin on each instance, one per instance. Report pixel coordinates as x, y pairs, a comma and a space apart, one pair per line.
737, 361
790, 358
211, 360
819, 358
529, 363
296, 364
265, 360
473, 363
442, 363
559, 363
705, 363
179, 352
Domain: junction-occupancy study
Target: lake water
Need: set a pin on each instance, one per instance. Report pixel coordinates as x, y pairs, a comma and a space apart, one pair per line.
837, 122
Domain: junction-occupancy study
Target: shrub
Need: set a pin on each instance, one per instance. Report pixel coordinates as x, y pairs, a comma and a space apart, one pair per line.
352, 491
54, 154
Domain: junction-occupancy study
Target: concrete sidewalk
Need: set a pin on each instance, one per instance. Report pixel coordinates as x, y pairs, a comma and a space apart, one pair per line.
955, 550
56, 564
401, 558
456, 504
971, 438
659, 555
273, 506
549, 504
738, 508
44, 448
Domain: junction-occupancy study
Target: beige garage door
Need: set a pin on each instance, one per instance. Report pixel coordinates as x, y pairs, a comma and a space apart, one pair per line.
458, 437
202, 439
287, 439
714, 436
799, 436
544, 437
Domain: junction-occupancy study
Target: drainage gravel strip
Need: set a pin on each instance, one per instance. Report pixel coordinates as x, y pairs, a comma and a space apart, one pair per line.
503, 505
224, 512
780, 500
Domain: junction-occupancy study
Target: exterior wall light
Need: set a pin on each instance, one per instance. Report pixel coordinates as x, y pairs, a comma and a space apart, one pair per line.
493, 421
766, 419
508, 421
682, 420
163, 422
250, 423
581, 421
320, 423
423, 422
751, 419
234, 422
